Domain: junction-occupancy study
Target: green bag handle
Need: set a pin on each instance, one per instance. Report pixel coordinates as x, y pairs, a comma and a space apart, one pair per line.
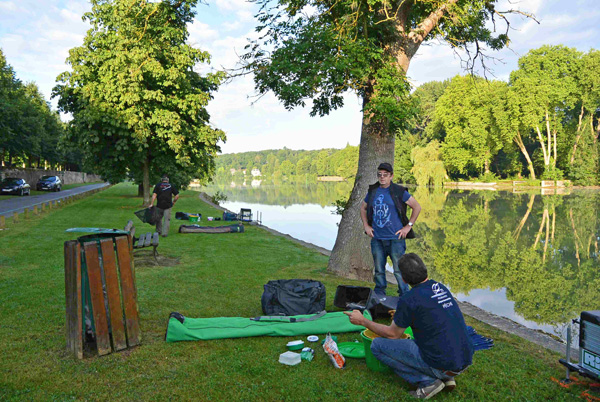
280, 318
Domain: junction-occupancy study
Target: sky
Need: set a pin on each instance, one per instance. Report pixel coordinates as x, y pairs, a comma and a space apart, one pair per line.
36, 36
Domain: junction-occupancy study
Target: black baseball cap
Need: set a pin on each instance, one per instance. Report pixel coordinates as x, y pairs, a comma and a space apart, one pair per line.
386, 166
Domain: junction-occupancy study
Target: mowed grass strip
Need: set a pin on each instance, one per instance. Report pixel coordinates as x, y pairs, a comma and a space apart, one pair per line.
218, 275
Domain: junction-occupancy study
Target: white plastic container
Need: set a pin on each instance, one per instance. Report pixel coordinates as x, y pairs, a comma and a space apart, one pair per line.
290, 358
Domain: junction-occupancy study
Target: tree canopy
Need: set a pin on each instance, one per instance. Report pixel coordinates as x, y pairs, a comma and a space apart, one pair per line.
138, 105
32, 133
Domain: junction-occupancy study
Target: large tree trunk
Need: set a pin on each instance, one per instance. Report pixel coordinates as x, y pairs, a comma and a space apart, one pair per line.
146, 180
351, 254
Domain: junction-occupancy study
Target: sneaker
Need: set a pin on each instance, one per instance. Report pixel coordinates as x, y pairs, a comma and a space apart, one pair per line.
428, 391
449, 385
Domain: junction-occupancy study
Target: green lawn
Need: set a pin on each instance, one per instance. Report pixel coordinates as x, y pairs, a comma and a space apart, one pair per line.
218, 275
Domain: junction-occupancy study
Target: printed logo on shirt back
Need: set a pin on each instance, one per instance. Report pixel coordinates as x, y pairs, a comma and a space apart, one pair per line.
443, 298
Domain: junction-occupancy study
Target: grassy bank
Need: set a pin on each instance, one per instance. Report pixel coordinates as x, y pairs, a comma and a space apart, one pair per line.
217, 275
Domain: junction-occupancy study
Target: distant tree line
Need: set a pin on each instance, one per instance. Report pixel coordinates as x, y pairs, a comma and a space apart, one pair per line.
289, 164
31, 133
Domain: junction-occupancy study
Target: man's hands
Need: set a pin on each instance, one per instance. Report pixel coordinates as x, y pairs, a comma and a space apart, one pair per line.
402, 233
369, 231
356, 317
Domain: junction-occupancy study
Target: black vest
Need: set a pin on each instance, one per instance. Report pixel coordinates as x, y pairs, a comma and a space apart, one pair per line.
396, 192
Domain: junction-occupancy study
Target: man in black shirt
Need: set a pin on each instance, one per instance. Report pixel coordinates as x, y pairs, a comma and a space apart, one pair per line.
164, 192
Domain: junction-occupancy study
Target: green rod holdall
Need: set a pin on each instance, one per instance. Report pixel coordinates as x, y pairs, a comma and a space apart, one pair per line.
181, 328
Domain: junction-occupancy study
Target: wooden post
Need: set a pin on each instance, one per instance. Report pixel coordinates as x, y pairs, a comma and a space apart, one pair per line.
26, 213
97, 297
42, 206
2, 222
35, 210
129, 291
74, 308
114, 295
16, 217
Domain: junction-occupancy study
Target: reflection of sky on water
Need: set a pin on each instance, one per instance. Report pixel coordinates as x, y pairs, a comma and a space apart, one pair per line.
494, 301
309, 222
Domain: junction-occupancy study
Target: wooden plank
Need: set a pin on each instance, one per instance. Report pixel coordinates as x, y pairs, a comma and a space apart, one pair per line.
148, 239
128, 291
141, 241
114, 295
129, 225
97, 296
155, 239
74, 309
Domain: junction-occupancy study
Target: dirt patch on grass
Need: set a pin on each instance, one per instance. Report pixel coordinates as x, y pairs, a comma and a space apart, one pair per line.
161, 261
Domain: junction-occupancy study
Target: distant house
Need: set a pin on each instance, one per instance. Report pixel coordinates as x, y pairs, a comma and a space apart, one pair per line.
255, 172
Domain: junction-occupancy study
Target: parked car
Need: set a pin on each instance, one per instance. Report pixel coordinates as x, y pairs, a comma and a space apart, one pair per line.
51, 183
13, 185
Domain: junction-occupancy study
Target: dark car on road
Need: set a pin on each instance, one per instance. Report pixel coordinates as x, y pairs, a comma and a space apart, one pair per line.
51, 183
13, 185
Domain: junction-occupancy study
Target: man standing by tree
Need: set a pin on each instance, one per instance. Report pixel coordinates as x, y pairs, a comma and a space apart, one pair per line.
164, 192
442, 348
383, 213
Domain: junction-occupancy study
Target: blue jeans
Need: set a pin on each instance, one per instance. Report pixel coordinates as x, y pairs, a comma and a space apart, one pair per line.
403, 356
381, 249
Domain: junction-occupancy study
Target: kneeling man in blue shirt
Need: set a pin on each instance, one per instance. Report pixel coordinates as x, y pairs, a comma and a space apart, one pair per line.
442, 348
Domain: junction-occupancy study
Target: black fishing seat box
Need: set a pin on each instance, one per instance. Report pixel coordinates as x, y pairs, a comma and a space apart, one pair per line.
363, 298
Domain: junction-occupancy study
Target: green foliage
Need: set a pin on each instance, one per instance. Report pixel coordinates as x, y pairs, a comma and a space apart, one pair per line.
218, 197
134, 95
405, 143
488, 177
31, 131
340, 206
428, 167
290, 163
552, 173
465, 113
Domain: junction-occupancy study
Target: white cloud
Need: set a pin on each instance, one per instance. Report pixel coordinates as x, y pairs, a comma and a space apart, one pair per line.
201, 33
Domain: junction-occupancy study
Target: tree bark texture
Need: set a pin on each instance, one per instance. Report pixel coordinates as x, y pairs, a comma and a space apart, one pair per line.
521, 145
146, 180
351, 255
578, 136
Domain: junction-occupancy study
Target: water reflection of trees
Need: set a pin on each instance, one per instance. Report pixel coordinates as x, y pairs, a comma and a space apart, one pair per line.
285, 193
543, 250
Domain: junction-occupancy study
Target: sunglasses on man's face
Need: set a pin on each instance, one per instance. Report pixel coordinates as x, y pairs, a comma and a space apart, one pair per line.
383, 174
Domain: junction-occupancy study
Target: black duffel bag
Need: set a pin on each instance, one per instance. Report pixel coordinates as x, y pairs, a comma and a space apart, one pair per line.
293, 297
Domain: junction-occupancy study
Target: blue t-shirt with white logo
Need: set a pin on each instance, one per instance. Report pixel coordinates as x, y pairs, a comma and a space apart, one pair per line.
386, 221
438, 326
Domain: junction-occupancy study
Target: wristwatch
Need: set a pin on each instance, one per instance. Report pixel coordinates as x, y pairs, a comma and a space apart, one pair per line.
410, 224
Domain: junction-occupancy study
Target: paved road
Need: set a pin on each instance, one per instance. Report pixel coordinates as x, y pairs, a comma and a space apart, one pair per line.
9, 206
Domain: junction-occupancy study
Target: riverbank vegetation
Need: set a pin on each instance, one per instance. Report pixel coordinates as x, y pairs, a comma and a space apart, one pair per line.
544, 123
217, 275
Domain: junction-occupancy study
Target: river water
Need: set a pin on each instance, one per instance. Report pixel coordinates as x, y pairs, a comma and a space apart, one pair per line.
525, 256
